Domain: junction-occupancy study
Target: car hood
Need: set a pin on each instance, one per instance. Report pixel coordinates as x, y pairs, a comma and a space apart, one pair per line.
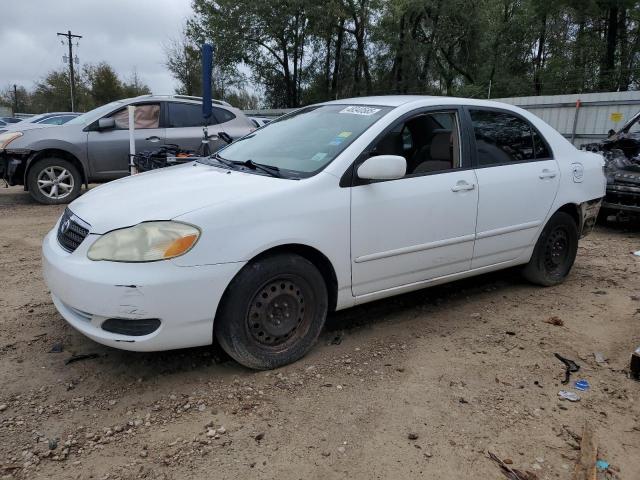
166, 193
20, 127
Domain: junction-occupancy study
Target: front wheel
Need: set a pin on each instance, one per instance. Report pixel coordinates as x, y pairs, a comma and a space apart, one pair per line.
53, 181
272, 312
555, 251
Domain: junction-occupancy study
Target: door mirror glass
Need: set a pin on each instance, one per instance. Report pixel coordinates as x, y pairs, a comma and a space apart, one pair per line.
106, 123
383, 167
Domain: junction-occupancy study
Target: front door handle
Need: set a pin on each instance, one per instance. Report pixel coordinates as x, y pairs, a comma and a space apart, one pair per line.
546, 173
153, 138
463, 186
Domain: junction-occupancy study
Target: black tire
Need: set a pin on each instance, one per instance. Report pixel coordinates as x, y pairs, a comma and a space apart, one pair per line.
44, 170
555, 251
272, 312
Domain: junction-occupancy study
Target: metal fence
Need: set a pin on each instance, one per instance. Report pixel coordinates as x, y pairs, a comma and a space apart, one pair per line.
584, 117
581, 118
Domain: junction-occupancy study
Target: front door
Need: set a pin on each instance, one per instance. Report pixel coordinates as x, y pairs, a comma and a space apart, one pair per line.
108, 150
421, 226
517, 179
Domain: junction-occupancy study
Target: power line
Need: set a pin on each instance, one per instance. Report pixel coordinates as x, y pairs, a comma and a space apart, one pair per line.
70, 38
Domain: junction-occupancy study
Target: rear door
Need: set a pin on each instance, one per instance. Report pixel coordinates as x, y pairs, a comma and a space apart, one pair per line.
185, 123
108, 150
518, 179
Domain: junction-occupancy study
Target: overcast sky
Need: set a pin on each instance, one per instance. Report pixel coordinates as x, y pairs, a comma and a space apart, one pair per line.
124, 33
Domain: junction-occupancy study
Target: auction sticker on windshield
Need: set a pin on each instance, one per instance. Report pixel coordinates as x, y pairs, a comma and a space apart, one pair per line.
360, 110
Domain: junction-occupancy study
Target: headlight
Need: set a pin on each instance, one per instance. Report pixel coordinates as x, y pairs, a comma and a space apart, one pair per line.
7, 138
145, 242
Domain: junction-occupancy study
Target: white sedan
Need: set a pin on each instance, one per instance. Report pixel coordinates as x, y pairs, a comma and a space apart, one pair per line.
331, 206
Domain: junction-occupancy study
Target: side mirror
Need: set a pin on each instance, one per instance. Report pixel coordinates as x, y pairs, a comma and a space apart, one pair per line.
106, 123
383, 167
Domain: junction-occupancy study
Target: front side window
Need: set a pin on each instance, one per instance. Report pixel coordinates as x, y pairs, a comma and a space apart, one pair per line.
145, 116
505, 138
307, 140
429, 142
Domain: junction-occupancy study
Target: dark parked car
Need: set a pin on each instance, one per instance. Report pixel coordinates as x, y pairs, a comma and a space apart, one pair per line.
53, 163
621, 151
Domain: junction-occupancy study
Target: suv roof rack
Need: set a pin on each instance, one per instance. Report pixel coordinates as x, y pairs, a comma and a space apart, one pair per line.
192, 97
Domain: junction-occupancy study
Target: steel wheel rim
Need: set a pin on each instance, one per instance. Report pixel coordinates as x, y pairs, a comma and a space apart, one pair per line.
556, 251
55, 182
280, 312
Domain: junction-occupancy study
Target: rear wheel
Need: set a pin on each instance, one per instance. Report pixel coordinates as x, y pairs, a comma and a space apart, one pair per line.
272, 312
53, 181
555, 251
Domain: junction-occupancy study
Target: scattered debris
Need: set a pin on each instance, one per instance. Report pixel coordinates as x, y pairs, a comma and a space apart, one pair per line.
599, 357
555, 320
637, 254
412, 436
56, 348
585, 468
599, 292
582, 385
512, 473
602, 465
571, 367
571, 396
84, 356
53, 443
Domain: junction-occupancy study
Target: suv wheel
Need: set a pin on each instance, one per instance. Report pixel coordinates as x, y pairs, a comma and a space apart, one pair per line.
555, 251
53, 181
272, 312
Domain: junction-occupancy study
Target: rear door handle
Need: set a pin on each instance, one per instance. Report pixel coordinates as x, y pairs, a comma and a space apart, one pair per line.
462, 186
153, 138
546, 173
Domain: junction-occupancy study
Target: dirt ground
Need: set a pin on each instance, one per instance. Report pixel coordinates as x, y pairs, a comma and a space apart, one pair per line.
418, 386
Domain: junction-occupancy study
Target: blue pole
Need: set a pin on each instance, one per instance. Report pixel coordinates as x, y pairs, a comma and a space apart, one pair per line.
207, 67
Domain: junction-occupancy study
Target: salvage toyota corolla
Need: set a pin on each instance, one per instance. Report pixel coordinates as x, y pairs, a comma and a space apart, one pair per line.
331, 206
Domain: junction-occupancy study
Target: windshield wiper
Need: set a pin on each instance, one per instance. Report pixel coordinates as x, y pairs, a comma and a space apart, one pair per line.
268, 169
224, 161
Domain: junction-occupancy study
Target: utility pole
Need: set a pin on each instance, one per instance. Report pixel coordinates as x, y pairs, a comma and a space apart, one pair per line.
15, 98
70, 38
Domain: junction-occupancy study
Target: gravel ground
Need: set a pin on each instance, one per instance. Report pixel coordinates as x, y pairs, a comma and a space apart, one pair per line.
418, 386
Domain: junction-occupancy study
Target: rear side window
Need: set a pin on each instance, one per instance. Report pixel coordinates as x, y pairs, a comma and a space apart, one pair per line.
223, 115
185, 115
505, 138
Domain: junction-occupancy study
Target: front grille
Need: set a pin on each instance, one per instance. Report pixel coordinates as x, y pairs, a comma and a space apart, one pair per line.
70, 232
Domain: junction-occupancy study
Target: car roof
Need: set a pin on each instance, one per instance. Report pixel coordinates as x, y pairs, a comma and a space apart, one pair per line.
189, 98
423, 100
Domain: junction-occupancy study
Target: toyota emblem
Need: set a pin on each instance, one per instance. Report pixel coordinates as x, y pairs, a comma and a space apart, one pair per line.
65, 225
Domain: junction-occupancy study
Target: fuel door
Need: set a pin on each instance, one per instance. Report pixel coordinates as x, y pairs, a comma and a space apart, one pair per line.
577, 172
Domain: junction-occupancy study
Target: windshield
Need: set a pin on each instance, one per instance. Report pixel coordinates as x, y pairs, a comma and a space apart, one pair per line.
307, 140
94, 114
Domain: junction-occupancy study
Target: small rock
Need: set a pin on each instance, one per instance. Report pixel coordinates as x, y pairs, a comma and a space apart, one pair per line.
326, 453
223, 430
508, 461
259, 437
53, 444
412, 436
342, 449
144, 454
3, 407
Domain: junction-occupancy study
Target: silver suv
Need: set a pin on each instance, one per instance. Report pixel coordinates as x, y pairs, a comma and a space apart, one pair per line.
52, 163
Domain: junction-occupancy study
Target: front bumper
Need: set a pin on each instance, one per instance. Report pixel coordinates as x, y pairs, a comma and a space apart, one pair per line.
86, 293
